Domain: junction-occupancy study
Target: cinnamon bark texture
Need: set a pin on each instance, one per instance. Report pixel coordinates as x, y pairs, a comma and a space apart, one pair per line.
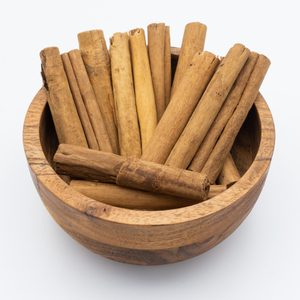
90, 101
84, 118
229, 173
95, 56
208, 107
223, 116
63, 110
144, 93
192, 42
179, 110
124, 197
217, 158
79, 162
128, 127
156, 50
168, 66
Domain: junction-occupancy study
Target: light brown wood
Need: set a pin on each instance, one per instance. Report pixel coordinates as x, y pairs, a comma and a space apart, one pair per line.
79, 162
66, 120
217, 157
84, 118
223, 116
127, 120
229, 173
192, 42
181, 107
144, 93
209, 105
167, 65
125, 197
95, 56
156, 50
149, 237
90, 101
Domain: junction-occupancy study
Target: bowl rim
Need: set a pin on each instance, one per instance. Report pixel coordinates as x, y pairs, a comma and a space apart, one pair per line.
42, 173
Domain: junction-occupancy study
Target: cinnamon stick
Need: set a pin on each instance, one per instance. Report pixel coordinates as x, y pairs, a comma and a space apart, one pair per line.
180, 109
216, 159
208, 107
167, 66
79, 162
84, 118
125, 197
63, 110
128, 127
229, 173
223, 116
192, 42
156, 50
90, 101
144, 93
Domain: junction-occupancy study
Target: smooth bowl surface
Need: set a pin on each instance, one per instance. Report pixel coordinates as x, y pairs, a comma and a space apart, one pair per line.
149, 237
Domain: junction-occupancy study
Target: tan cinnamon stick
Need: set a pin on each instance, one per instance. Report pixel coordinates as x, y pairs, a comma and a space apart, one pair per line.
84, 118
223, 116
179, 110
208, 107
229, 173
90, 101
156, 50
63, 110
217, 158
144, 93
192, 42
128, 127
125, 197
95, 56
130, 172
167, 66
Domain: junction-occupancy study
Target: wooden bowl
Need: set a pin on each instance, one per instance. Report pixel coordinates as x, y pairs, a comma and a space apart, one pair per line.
149, 237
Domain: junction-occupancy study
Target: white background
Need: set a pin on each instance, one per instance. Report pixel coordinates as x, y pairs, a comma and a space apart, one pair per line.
260, 260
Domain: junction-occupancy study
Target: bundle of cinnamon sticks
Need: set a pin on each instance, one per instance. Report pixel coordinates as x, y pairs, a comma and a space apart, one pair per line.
133, 132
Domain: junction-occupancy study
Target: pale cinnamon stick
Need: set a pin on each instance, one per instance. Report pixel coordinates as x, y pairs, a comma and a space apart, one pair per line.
156, 50
125, 197
223, 116
79, 162
216, 159
144, 93
179, 110
167, 66
90, 101
95, 56
84, 118
63, 110
192, 42
128, 127
229, 173
208, 107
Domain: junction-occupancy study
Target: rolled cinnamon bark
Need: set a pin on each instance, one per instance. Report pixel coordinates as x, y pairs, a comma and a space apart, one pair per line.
156, 50
125, 197
84, 118
128, 127
217, 158
229, 173
168, 66
208, 107
79, 162
180, 109
144, 93
90, 101
192, 42
95, 56
223, 116
63, 110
